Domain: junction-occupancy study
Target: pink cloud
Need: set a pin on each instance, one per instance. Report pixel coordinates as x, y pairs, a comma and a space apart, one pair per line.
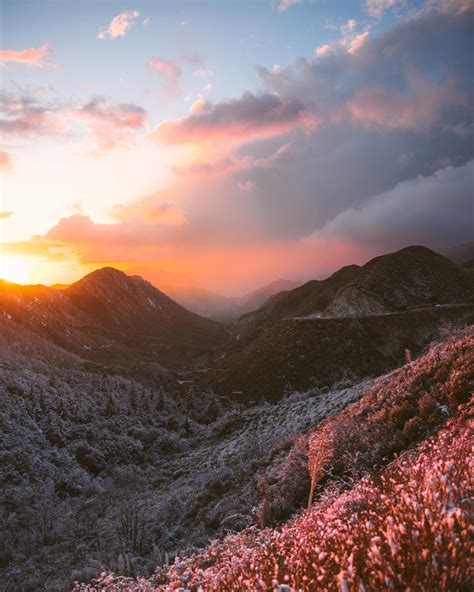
350, 40
111, 125
228, 165
24, 116
31, 56
247, 185
169, 72
419, 108
248, 117
5, 165
235, 266
119, 25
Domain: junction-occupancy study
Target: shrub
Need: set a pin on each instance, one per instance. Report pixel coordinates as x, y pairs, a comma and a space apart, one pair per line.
395, 412
406, 529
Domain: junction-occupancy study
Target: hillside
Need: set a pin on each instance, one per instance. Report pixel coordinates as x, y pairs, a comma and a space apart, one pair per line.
356, 323
257, 298
398, 517
109, 317
410, 278
309, 299
296, 354
133, 431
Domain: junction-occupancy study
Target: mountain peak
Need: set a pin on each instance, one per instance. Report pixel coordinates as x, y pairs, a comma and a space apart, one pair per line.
418, 250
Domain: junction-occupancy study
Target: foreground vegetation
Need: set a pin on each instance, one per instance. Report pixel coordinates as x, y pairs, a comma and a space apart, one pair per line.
388, 513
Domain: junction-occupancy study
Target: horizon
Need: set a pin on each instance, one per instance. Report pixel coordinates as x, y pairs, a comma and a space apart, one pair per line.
182, 284
231, 144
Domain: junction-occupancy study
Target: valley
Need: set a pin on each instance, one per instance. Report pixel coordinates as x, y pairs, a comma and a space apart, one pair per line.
134, 431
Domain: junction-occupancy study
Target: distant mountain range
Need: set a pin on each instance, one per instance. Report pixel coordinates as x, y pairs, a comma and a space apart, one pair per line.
206, 302
309, 334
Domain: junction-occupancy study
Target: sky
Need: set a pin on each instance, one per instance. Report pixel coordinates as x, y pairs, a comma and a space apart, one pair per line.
231, 143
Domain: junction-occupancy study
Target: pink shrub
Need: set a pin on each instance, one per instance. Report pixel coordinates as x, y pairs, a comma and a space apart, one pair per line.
405, 529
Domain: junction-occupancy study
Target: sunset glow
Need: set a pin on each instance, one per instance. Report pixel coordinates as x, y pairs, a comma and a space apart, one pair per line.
223, 141
14, 269
236, 295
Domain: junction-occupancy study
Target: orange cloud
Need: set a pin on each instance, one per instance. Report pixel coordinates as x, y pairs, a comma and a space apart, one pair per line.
31, 56
150, 210
225, 268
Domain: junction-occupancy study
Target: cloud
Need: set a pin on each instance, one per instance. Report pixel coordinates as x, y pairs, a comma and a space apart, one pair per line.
26, 113
109, 125
151, 210
418, 107
5, 165
31, 56
250, 116
119, 26
247, 185
350, 40
336, 159
431, 210
169, 72
376, 8
192, 57
203, 73
285, 4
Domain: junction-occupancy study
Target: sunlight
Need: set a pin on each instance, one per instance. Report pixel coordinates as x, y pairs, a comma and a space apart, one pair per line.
13, 269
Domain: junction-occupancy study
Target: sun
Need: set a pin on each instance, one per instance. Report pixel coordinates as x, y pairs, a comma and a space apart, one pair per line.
13, 269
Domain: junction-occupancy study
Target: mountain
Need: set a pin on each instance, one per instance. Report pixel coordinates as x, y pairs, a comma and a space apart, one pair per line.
205, 303
133, 305
356, 323
197, 299
309, 299
109, 317
469, 264
411, 277
208, 303
257, 298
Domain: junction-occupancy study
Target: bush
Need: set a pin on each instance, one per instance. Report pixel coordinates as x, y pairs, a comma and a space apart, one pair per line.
406, 529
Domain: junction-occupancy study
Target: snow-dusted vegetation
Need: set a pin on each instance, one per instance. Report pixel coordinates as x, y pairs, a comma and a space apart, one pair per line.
388, 514
112, 463
101, 471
